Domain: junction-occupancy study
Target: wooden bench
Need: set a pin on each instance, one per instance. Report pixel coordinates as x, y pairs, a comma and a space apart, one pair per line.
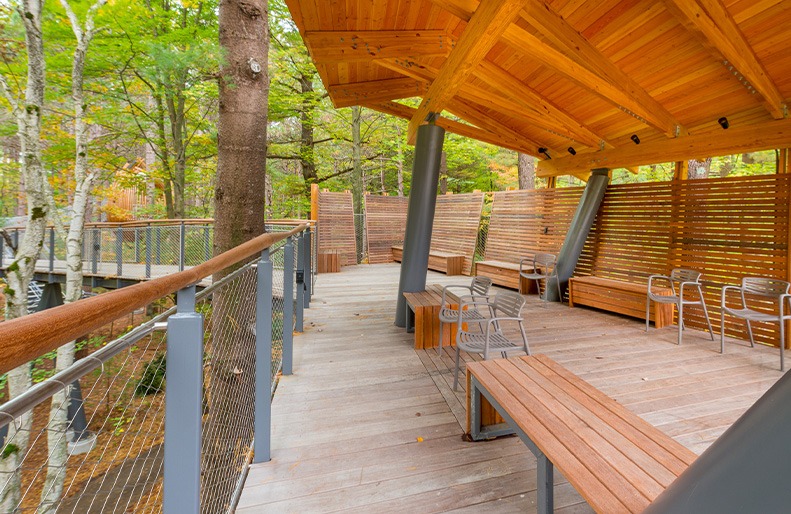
329, 261
622, 297
506, 274
448, 263
425, 320
616, 460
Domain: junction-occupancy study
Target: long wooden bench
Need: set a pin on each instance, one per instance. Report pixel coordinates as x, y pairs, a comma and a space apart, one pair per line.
616, 460
618, 296
506, 274
448, 263
424, 308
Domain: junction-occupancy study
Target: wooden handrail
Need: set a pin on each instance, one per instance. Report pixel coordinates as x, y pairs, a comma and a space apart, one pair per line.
26, 338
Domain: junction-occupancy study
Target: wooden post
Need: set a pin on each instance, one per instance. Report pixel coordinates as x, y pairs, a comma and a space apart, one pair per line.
314, 202
551, 182
782, 161
681, 171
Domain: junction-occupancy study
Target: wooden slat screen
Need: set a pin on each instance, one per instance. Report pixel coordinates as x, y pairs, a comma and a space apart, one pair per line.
725, 228
336, 226
456, 222
385, 221
528, 221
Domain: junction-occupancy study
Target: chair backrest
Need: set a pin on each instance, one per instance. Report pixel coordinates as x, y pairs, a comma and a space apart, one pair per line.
764, 286
480, 286
544, 261
509, 303
685, 275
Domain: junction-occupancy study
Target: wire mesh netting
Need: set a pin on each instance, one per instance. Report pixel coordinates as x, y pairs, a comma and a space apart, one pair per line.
119, 389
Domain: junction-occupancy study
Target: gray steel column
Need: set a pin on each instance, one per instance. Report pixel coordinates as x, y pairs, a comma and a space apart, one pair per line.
745, 470
578, 231
420, 215
300, 275
288, 306
183, 399
308, 268
263, 360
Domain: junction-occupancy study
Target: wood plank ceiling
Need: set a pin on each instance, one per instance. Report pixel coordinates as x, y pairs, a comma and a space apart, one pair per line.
560, 74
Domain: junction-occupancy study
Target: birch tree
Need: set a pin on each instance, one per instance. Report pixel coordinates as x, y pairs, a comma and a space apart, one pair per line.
27, 114
84, 178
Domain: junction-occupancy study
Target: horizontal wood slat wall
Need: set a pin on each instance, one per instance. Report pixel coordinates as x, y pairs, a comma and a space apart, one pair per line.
336, 226
725, 228
529, 221
457, 219
385, 221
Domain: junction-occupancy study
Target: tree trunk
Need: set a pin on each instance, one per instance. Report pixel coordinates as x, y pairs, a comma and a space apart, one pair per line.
399, 162
178, 130
239, 216
357, 173
443, 173
526, 168
699, 169
20, 271
306, 145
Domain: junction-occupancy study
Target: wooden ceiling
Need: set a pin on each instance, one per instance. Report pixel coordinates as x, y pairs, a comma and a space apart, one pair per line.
530, 74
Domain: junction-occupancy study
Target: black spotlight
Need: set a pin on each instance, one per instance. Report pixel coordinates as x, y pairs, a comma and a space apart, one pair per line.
572, 151
723, 122
635, 139
544, 151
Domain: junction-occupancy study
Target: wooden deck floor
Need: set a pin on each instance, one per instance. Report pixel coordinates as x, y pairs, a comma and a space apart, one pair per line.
367, 424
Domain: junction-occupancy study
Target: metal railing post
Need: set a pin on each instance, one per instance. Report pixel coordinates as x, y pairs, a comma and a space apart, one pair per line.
308, 268
119, 250
288, 306
183, 399
300, 284
206, 244
97, 247
263, 360
182, 246
148, 251
51, 249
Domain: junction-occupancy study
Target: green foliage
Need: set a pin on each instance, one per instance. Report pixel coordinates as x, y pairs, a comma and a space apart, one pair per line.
153, 379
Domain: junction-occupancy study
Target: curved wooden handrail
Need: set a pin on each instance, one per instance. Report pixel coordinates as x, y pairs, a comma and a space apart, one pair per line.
26, 338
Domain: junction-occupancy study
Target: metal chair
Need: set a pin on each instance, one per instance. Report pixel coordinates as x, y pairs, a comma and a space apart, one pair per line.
506, 308
685, 278
479, 290
758, 286
544, 268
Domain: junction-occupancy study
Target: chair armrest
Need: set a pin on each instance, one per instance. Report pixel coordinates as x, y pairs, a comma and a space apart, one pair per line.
681, 287
783, 298
725, 292
521, 263
453, 286
651, 278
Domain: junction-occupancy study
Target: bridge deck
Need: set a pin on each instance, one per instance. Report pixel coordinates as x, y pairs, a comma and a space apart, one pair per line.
367, 424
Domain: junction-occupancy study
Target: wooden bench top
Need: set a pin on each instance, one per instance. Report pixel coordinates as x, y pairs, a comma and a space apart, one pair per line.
616, 460
621, 285
435, 253
431, 297
501, 264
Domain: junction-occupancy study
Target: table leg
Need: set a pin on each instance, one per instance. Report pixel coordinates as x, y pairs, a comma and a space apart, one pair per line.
545, 485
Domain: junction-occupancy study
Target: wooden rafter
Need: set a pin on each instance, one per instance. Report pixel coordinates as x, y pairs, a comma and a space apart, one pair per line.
329, 47
346, 95
483, 30
407, 113
769, 135
579, 61
713, 24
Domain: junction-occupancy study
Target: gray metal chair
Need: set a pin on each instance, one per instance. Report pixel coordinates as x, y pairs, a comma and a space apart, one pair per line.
506, 309
543, 269
479, 291
764, 287
686, 279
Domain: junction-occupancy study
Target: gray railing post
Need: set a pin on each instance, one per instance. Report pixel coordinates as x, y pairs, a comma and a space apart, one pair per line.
51, 249
182, 246
206, 244
148, 251
119, 250
97, 248
183, 399
263, 360
300, 284
288, 306
159, 244
308, 268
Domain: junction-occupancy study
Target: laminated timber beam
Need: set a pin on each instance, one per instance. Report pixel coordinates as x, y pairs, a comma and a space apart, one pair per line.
719, 33
346, 95
579, 61
333, 47
483, 30
765, 136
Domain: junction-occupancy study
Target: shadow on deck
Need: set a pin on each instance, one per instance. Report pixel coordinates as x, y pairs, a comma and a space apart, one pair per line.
368, 424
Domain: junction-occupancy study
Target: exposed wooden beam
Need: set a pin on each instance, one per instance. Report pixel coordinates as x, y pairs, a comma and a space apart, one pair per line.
327, 47
407, 113
483, 30
582, 62
714, 26
346, 95
764, 136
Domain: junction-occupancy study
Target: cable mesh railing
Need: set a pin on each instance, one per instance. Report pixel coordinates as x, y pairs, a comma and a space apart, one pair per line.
106, 448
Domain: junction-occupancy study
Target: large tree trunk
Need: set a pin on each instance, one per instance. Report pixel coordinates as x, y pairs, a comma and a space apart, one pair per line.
239, 216
357, 166
306, 141
443, 173
20, 271
178, 129
399, 162
699, 169
526, 168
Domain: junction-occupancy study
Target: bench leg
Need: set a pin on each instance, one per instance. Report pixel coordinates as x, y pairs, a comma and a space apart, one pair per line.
545, 485
409, 319
477, 431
